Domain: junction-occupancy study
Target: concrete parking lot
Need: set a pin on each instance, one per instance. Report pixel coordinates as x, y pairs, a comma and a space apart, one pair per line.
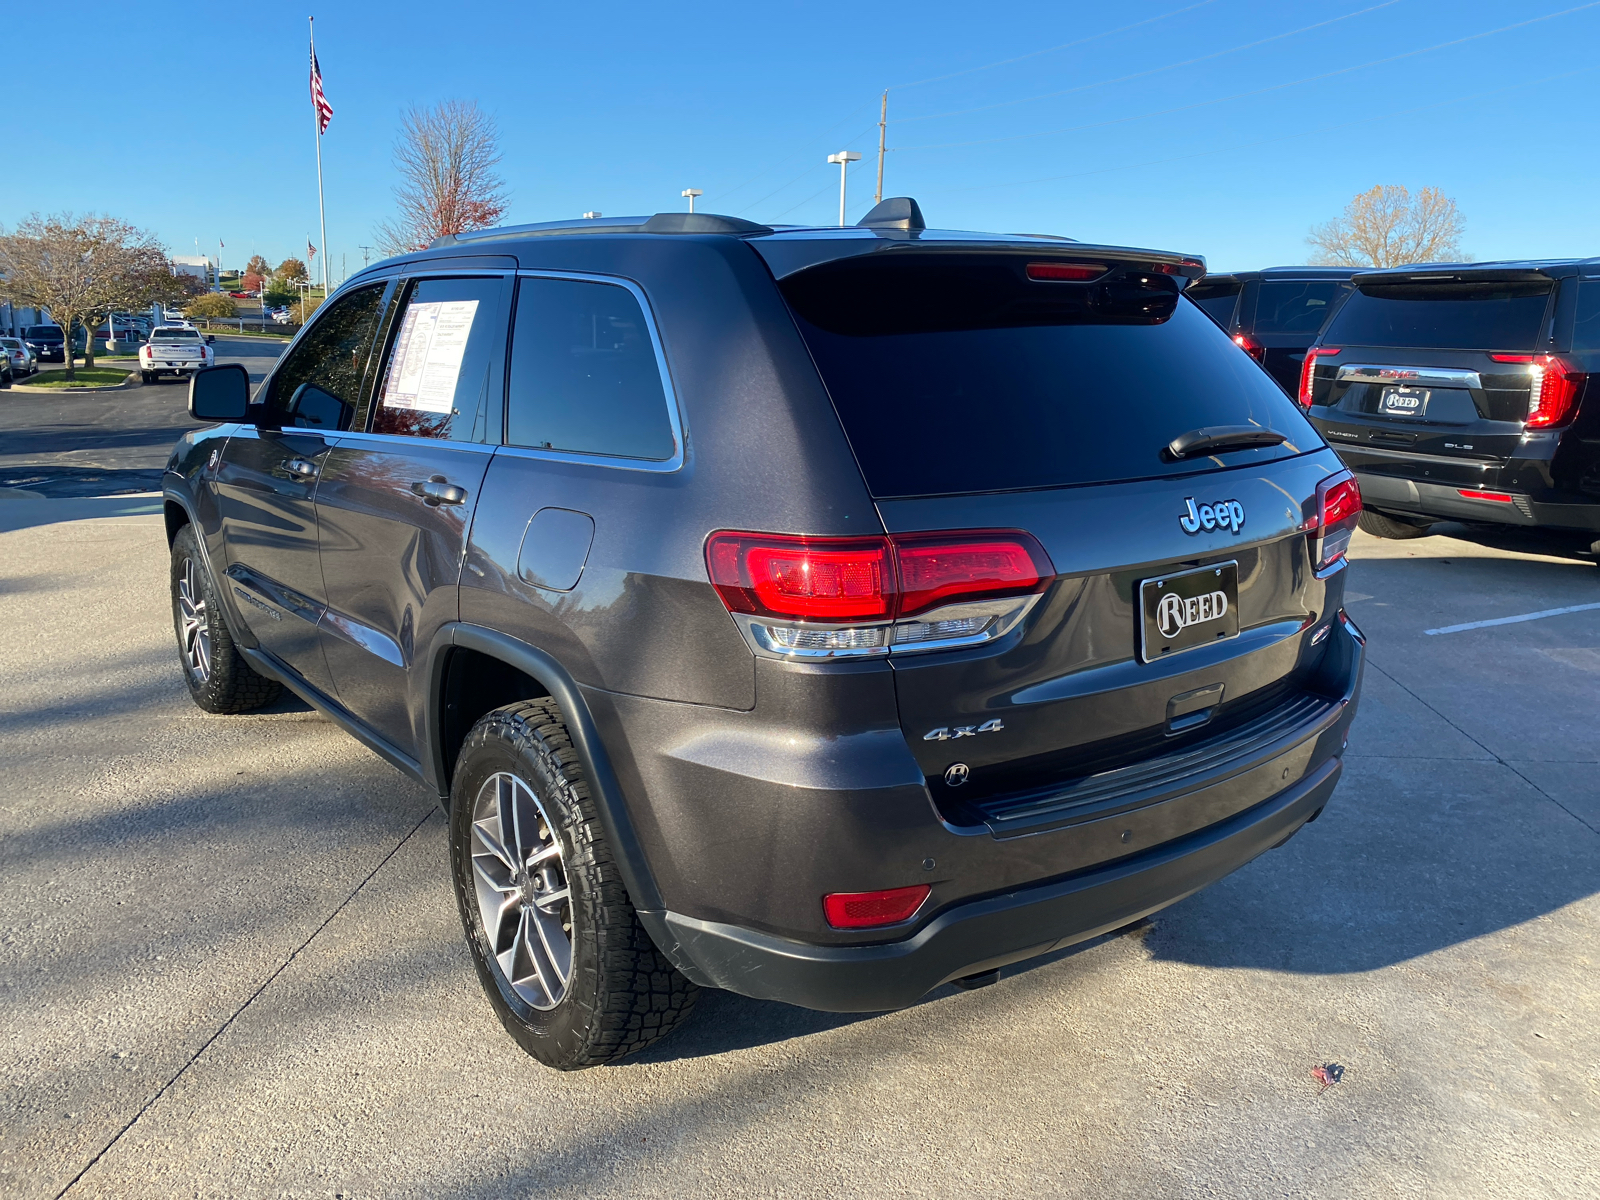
231, 965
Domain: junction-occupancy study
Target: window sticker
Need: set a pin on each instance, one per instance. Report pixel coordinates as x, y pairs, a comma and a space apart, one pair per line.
427, 355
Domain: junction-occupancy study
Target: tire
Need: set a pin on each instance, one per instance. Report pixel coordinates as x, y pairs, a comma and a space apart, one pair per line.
1379, 525
619, 993
145, 377
220, 679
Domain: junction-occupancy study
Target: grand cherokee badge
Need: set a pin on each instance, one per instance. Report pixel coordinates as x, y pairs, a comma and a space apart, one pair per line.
1221, 514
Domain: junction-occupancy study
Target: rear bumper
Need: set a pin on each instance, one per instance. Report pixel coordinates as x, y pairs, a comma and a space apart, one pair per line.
1390, 493
991, 932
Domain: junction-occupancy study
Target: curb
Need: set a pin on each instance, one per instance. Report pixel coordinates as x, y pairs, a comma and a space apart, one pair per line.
73, 391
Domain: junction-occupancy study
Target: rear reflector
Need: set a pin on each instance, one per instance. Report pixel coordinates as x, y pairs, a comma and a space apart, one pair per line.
1308, 371
867, 910
1250, 346
1066, 272
1501, 497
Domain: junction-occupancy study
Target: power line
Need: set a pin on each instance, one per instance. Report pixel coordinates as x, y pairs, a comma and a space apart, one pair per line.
828, 133
1158, 162
1257, 92
1006, 62
808, 170
1188, 62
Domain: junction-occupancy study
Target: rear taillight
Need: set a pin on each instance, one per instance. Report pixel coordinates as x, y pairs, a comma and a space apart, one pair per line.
1250, 346
1552, 390
1338, 508
868, 910
1308, 370
829, 597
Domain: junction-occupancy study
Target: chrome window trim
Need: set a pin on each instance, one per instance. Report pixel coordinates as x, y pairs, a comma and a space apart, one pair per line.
1424, 376
581, 458
404, 439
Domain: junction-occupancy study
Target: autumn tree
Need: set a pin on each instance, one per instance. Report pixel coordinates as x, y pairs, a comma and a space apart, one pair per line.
446, 157
257, 266
82, 270
1388, 227
291, 269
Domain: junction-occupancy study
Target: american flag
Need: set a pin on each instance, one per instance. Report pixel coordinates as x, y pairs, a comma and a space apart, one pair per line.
318, 100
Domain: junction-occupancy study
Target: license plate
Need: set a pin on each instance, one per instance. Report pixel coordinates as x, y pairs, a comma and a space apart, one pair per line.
1403, 401
1189, 609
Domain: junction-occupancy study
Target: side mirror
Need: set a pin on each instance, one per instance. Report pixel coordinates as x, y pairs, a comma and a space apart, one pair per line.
219, 393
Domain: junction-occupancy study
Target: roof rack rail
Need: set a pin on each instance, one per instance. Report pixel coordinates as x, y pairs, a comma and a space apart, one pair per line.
674, 222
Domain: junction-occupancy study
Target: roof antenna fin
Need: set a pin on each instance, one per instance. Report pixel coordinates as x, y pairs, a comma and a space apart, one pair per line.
897, 212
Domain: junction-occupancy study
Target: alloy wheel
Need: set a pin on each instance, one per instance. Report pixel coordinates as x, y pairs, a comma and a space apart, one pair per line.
194, 629
524, 901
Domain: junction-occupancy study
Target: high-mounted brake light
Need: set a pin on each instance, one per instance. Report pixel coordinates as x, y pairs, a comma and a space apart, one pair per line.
836, 596
1337, 510
1250, 346
1064, 272
1553, 388
868, 910
1308, 370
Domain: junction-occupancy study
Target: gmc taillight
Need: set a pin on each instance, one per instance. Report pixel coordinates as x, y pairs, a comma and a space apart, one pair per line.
1337, 509
1553, 388
1308, 371
1250, 346
797, 596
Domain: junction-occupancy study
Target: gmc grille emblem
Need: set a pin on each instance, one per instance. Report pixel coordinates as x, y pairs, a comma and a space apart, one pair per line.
1219, 514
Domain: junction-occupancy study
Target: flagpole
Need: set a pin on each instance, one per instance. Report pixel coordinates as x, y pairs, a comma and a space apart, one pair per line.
316, 128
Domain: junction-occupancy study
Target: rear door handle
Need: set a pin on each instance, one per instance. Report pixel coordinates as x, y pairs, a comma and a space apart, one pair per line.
437, 490
304, 468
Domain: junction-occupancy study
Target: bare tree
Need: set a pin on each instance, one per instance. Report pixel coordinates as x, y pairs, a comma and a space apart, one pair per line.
82, 270
1387, 227
446, 157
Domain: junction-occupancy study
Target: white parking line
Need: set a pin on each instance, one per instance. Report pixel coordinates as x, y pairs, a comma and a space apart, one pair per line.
1549, 612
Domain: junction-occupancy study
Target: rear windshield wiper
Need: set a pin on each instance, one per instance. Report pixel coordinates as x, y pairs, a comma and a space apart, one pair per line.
1213, 438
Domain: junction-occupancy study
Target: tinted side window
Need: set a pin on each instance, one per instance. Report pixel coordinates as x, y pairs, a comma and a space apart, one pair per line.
584, 373
1217, 299
319, 383
1586, 330
440, 380
1488, 315
1295, 307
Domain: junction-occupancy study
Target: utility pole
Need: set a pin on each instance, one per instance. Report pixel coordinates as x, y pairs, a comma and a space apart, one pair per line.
844, 158
883, 130
365, 250
691, 193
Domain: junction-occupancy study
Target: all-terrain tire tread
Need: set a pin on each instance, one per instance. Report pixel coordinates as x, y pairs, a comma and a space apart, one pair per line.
234, 686
642, 996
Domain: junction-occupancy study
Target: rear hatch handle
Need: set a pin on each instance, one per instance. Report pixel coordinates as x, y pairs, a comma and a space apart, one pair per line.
1212, 438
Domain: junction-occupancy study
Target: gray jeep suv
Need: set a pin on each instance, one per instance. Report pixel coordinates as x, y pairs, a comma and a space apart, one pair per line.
821, 614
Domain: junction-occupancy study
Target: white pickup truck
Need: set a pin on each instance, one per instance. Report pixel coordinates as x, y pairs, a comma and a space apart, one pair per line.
174, 350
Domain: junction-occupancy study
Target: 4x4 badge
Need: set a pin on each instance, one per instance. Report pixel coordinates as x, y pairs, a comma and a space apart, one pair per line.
1221, 514
949, 733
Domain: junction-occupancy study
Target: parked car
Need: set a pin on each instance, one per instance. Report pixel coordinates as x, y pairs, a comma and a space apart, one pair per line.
1457, 392
1273, 315
19, 355
174, 350
282, 316
820, 614
46, 341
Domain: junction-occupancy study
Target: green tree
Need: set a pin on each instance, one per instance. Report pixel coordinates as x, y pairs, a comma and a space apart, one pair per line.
280, 292
212, 304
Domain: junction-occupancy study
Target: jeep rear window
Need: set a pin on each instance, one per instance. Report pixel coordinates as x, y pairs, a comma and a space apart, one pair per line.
1466, 315
959, 374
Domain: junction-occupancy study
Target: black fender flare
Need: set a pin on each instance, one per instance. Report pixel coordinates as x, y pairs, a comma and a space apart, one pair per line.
603, 783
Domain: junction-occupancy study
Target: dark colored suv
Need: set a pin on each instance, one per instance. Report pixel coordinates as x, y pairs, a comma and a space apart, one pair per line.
1457, 392
1274, 315
47, 342
821, 614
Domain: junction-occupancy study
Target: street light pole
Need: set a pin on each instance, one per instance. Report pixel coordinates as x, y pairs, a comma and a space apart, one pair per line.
691, 193
844, 158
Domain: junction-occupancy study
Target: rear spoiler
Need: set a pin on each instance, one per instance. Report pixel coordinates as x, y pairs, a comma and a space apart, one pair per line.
785, 257
1462, 275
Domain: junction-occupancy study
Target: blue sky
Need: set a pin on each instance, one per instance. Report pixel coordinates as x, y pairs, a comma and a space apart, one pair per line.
1155, 122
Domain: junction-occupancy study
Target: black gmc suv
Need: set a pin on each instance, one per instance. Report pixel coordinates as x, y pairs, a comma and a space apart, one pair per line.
1457, 392
821, 614
1273, 315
